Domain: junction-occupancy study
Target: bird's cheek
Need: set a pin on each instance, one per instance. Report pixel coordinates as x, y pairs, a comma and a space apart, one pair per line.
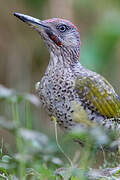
54, 38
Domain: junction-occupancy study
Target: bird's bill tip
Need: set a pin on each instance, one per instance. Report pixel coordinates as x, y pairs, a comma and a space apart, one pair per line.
20, 16
27, 19
34, 22
16, 14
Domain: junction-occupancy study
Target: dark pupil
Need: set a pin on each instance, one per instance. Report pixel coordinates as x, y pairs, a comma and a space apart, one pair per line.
63, 28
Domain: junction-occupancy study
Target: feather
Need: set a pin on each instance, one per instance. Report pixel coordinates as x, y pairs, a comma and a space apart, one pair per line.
99, 95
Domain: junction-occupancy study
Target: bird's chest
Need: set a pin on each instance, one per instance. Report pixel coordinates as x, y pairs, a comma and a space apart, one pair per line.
57, 91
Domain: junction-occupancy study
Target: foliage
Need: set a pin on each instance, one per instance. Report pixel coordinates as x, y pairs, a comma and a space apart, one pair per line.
37, 156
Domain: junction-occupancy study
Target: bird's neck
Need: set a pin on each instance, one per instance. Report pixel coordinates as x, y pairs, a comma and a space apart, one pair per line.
60, 61
64, 55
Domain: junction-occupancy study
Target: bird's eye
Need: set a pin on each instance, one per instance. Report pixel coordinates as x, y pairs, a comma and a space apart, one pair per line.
62, 28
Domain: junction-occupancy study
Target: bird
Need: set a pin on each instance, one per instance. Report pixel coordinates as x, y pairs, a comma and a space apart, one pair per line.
66, 84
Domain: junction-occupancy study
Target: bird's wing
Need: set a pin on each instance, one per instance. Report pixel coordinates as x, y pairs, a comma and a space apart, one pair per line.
98, 95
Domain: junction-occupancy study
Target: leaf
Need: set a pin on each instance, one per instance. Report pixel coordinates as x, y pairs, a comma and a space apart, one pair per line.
71, 172
8, 125
6, 158
38, 142
5, 92
32, 99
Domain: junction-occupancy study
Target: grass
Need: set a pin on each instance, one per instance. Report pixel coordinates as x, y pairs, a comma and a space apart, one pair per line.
36, 156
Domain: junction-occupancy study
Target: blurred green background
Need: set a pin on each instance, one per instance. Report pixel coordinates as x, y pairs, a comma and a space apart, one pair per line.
24, 57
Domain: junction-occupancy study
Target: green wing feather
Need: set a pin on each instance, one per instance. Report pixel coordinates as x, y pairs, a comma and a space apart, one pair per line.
98, 95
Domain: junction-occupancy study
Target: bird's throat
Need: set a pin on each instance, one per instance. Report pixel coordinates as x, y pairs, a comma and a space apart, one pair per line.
56, 61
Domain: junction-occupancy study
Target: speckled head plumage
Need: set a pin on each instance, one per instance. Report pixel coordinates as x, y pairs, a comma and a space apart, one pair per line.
58, 34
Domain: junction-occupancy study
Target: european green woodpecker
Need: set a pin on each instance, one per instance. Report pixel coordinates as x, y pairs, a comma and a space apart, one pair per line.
66, 84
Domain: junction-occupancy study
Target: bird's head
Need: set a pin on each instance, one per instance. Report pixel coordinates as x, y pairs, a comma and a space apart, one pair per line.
60, 36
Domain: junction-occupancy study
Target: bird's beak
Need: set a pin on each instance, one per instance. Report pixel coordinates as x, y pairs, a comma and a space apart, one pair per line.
40, 26
35, 23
